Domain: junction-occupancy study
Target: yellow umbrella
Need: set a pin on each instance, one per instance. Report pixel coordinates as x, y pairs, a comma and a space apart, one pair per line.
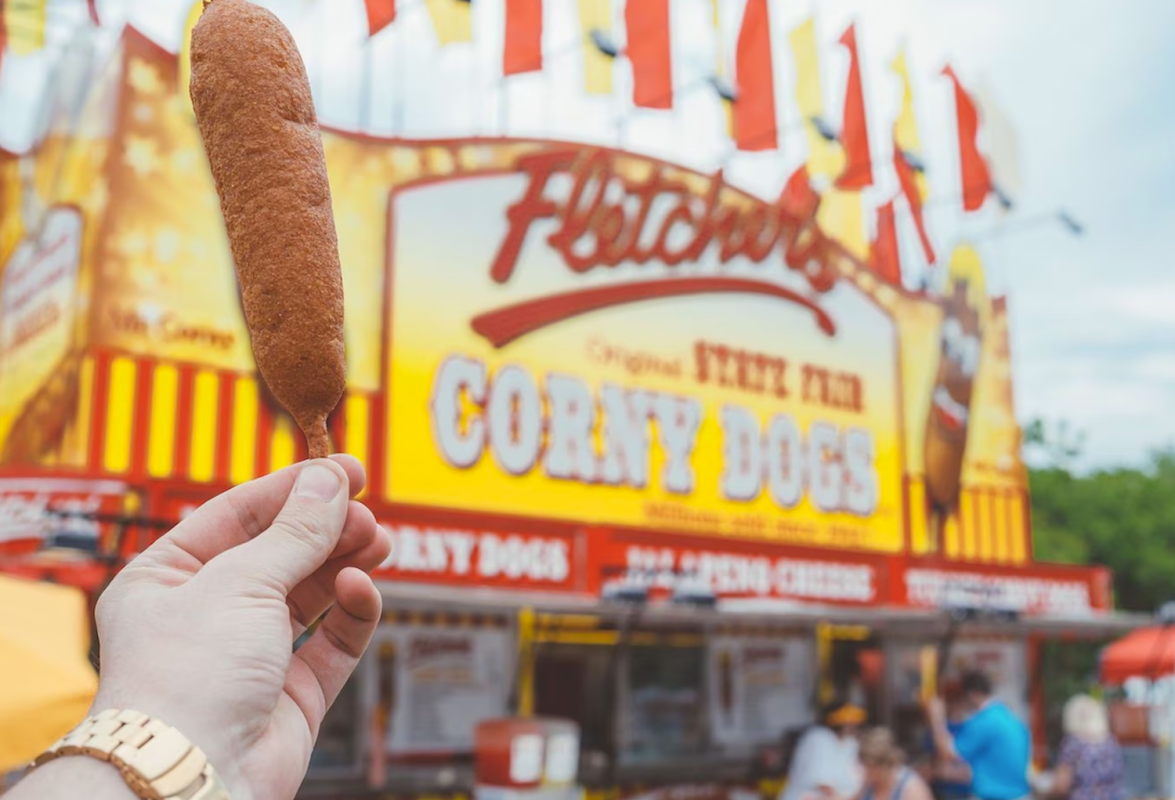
46, 681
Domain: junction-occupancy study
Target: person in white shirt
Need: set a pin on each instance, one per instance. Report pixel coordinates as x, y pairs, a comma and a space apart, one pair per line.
824, 765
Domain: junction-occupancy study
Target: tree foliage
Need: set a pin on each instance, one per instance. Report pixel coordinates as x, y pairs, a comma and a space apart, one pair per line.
1122, 517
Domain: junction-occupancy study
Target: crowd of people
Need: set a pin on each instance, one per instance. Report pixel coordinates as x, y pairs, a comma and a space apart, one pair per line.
977, 749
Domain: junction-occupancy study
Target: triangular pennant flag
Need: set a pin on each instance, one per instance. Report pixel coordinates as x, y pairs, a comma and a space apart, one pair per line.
185, 59
755, 126
905, 127
646, 24
92, 6
907, 178
24, 23
595, 21
522, 50
858, 169
798, 196
974, 174
380, 14
884, 257
842, 216
824, 156
452, 20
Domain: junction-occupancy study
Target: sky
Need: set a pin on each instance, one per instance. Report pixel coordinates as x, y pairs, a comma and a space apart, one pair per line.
1085, 83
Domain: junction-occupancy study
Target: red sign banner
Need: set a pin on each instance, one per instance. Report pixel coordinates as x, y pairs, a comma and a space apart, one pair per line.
34, 511
732, 571
454, 554
1056, 590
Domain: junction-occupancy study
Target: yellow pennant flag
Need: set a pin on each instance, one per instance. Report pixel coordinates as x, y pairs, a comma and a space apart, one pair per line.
11, 194
452, 20
185, 63
825, 158
596, 15
24, 22
905, 127
842, 217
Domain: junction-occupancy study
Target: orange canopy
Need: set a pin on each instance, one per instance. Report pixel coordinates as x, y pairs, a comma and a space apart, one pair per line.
1145, 653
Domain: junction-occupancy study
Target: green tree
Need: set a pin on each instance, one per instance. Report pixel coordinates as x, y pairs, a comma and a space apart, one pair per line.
1123, 517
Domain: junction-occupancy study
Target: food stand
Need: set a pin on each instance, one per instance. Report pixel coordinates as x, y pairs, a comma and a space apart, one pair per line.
1139, 670
657, 455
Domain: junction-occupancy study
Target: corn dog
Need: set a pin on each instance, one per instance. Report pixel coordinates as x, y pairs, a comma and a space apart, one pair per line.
256, 117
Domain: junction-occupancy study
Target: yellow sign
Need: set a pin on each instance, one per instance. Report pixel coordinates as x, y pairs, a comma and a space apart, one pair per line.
534, 329
582, 339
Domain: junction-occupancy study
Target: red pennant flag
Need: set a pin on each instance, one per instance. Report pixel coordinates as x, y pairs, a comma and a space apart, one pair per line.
380, 14
884, 258
858, 171
92, 5
523, 50
909, 184
646, 25
754, 105
976, 177
798, 196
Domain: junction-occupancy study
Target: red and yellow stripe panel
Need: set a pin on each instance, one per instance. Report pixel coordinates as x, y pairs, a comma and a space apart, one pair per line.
142, 418
991, 526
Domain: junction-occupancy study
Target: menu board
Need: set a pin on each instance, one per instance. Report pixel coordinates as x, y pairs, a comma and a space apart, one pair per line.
759, 687
446, 681
1004, 661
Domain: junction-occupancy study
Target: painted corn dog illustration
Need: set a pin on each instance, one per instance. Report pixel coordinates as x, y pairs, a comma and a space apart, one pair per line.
256, 116
960, 344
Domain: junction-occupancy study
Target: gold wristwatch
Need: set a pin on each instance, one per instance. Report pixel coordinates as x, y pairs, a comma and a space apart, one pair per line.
156, 761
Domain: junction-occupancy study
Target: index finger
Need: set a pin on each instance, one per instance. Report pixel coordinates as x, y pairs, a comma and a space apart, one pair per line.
240, 514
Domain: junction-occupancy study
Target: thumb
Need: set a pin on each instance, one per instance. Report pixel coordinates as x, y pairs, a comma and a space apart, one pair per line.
303, 534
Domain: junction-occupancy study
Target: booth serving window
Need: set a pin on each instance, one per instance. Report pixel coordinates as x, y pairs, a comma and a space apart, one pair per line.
577, 682
436, 683
853, 669
665, 707
759, 687
1003, 660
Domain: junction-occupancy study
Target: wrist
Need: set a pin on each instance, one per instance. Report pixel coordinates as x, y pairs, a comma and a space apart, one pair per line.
62, 778
190, 723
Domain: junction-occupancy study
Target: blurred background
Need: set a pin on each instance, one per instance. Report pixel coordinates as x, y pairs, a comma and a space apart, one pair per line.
833, 338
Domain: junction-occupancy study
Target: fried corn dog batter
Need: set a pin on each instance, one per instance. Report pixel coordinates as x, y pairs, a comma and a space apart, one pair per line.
256, 116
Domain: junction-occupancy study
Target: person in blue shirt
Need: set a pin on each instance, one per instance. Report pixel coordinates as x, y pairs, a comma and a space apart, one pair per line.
949, 776
992, 740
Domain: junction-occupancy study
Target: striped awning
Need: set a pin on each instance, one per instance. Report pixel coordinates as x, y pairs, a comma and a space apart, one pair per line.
141, 418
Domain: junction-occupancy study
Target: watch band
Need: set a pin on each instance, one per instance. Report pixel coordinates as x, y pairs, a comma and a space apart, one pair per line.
156, 761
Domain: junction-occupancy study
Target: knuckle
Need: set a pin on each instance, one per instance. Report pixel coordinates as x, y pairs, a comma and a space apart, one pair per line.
304, 529
345, 645
246, 516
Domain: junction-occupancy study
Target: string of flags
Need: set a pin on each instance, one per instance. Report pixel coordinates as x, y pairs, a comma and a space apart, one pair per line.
24, 25
839, 160
744, 81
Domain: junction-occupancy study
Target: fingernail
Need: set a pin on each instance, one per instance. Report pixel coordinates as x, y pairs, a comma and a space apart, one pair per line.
318, 482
